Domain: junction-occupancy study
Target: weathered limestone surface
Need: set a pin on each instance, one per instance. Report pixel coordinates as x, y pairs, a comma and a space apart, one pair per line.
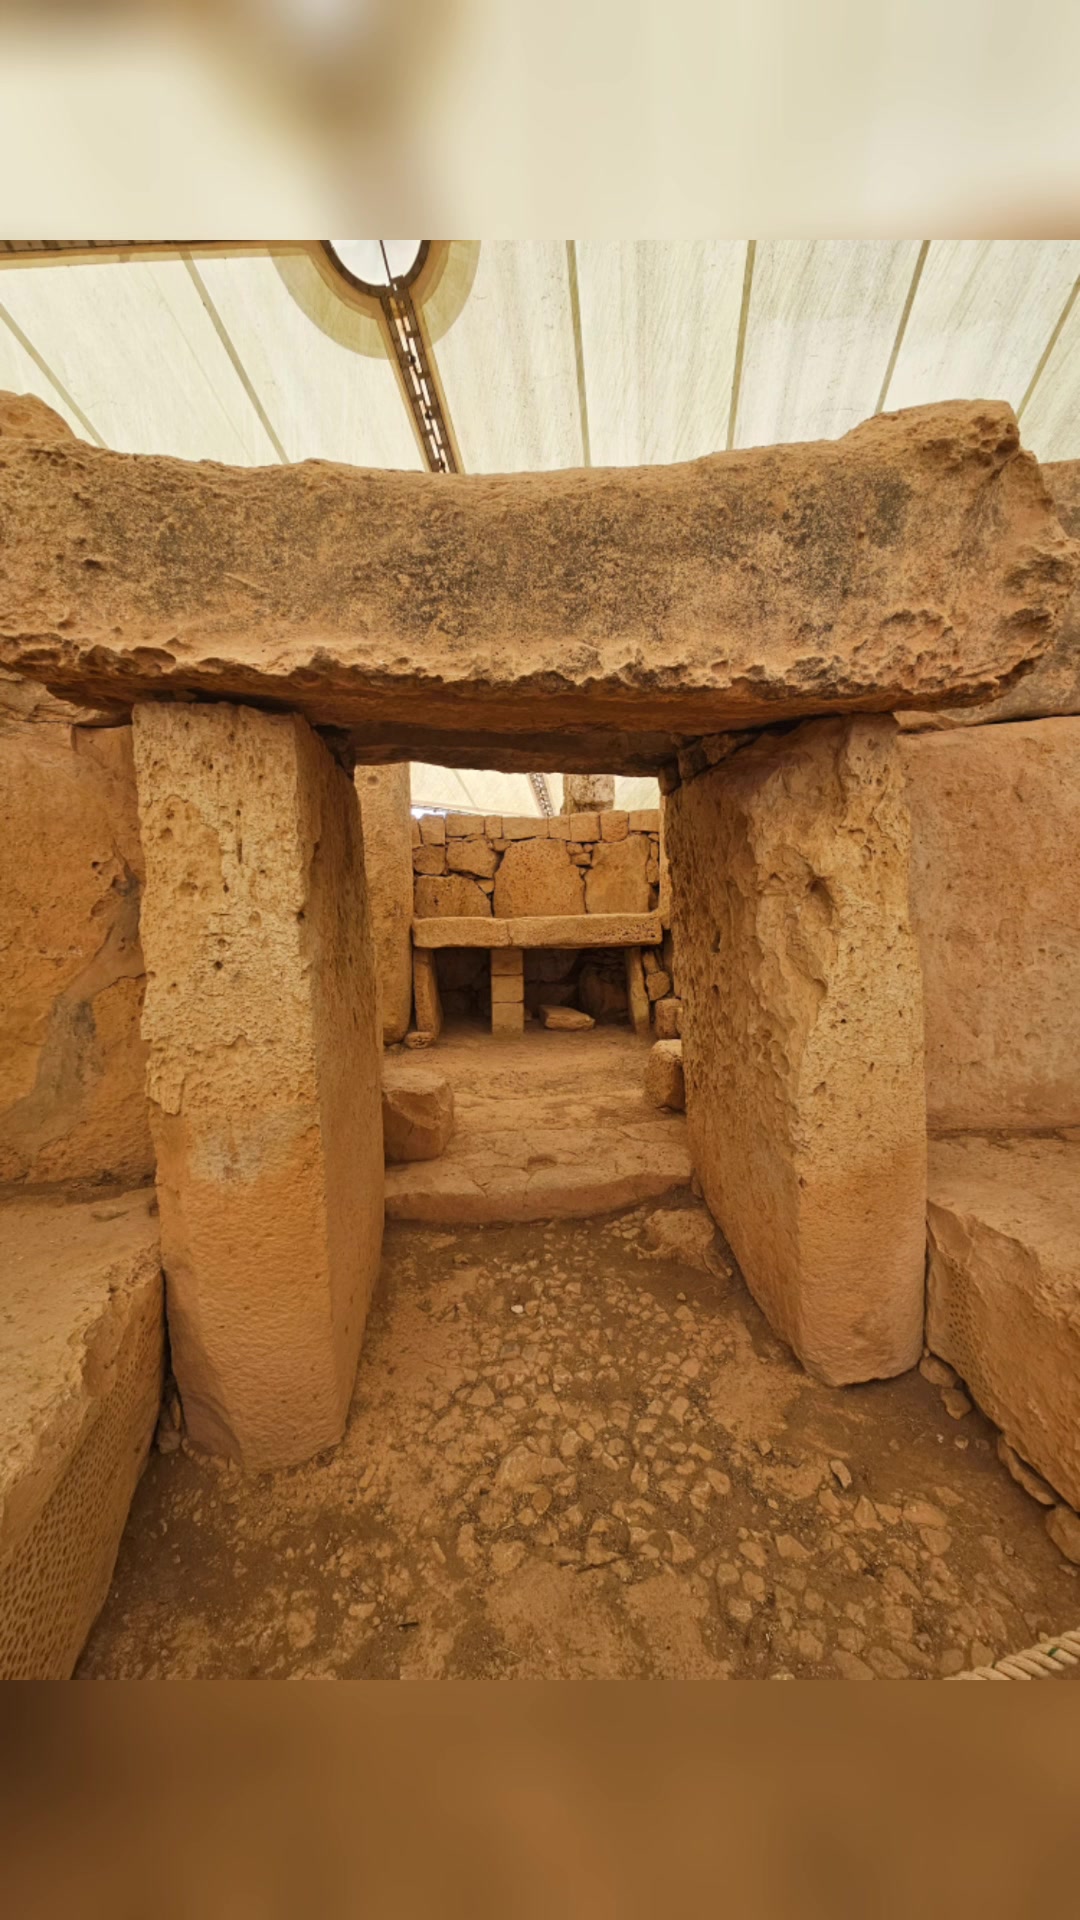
617, 880
1003, 1290
81, 1339
72, 1062
588, 792
637, 996
263, 1073
995, 902
584, 930
569, 618
24, 417
384, 807
1053, 684
664, 1082
417, 1110
565, 1019
536, 878
450, 896
428, 1001
802, 1036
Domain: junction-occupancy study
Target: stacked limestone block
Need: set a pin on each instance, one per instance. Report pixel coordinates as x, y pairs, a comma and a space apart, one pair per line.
507, 990
596, 862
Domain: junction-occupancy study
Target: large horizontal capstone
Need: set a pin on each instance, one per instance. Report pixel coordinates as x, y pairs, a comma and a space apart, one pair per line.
601, 615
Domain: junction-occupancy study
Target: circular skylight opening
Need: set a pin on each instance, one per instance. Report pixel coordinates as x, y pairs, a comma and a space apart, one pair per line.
375, 265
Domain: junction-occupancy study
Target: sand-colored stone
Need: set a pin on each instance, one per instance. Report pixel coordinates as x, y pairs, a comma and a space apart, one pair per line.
1063, 1526
426, 997
263, 1073
667, 1018
664, 1082
1003, 1289
72, 1062
588, 792
547, 1126
417, 1111
429, 860
384, 808
584, 827
477, 857
81, 1339
995, 901
464, 826
614, 826
547, 618
565, 1019
637, 994
802, 1036
24, 417
507, 1016
645, 820
432, 830
1052, 686
616, 881
537, 878
450, 896
658, 985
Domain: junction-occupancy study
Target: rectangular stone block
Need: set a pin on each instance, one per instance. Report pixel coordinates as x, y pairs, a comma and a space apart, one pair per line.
647, 820
559, 827
433, 830
802, 1036
384, 794
565, 930
507, 961
493, 826
524, 827
584, 826
1003, 1289
507, 1016
426, 997
264, 1063
429, 860
637, 994
613, 826
507, 988
587, 614
464, 826
995, 901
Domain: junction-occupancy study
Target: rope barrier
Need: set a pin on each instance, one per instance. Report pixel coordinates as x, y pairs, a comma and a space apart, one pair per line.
1047, 1661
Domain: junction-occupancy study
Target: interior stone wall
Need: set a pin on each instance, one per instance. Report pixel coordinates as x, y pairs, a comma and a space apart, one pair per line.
72, 1063
596, 862
802, 1035
995, 903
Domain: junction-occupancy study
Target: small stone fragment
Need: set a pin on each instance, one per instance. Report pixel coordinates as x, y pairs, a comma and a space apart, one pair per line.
840, 1472
955, 1403
938, 1372
566, 1019
664, 1083
1024, 1475
417, 1110
1063, 1526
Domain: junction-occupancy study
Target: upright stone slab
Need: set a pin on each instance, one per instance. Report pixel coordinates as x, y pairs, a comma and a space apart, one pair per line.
264, 1060
385, 795
803, 1036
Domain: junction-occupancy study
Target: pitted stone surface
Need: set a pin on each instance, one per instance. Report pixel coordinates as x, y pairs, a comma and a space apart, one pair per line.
995, 902
384, 806
263, 1073
537, 878
1003, 1289
617, 880
915, 562
418, 1111
72, 1063
803, 1038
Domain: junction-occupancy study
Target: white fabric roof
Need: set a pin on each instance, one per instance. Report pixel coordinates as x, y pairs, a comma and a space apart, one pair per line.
563, 354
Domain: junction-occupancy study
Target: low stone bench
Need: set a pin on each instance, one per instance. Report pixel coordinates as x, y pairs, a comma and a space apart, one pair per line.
510, 939
1003, 1289
81, 1344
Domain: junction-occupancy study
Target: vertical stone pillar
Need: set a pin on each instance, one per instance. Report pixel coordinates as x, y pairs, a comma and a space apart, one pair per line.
588, 792
384, 804
803, 1035
507, 990
263, 1073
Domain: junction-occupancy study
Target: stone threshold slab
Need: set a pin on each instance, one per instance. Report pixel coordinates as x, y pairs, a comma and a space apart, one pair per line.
563, 930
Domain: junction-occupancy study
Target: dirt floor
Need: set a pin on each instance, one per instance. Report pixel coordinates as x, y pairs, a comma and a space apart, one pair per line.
547, 1125
573, 1456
